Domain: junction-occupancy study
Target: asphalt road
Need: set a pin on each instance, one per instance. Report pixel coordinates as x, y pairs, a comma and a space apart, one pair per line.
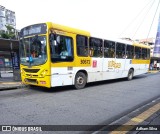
99, 103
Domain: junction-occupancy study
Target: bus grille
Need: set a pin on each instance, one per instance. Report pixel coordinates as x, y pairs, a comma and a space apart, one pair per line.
31, 70
31, 75
31, 81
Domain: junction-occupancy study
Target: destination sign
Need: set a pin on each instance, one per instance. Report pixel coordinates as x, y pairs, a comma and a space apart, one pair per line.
33, 29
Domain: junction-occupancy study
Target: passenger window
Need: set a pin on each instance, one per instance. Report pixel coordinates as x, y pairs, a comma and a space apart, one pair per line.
138, 52
129, 52
120, 50
95, 47
82, 45
148, 53
109, 49
144, 53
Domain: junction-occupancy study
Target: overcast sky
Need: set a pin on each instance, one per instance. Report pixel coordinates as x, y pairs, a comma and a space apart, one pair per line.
107, 18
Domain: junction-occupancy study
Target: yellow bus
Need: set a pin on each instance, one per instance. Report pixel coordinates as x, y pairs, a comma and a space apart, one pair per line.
54, 55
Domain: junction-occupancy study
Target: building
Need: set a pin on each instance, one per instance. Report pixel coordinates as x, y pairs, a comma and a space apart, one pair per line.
7, 17
2, 18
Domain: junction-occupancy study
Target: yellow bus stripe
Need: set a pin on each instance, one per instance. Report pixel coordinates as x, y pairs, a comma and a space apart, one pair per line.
136, 61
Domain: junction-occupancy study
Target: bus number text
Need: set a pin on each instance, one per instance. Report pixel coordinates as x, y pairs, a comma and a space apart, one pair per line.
85, 61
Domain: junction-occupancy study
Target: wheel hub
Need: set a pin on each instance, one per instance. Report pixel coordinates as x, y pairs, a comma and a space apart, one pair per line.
80, 80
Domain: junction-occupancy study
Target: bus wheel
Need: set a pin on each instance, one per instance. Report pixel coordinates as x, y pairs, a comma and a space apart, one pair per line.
80, 80
130, 74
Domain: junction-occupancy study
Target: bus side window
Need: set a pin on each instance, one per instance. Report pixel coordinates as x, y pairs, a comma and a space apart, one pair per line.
96, 49
82, 45
65, 46
61, 48
138, 53
120, 50
144, 53
148, 53
129, 52
109, 49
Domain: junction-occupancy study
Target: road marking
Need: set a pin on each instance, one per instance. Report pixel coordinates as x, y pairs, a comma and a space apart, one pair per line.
136, 120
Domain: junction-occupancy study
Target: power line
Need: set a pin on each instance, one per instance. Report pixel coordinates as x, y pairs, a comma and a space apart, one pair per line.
143, 19
153, 19
135, 18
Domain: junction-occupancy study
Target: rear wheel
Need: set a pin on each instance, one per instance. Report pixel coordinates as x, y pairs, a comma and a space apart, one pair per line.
80, 80
130, 74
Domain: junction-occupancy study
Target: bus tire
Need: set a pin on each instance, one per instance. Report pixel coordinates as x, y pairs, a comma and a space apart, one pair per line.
80, 80
130, 74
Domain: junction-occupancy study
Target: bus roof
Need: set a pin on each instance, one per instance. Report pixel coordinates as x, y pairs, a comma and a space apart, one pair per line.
128, 42
141, 45
67, 29
113, 39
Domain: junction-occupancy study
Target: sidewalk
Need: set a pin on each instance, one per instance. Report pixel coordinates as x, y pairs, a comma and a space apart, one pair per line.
145, 119
7, 82
10, 85
153, 71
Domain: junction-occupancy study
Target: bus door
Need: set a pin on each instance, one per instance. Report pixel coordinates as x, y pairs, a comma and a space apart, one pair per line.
62, 58
109, 60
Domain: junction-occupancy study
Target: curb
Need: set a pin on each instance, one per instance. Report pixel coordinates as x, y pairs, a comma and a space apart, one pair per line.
11, 87
126, 118
153, 71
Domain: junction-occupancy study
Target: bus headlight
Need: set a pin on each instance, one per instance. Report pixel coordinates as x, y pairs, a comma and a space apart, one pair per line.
43, 73
22, 72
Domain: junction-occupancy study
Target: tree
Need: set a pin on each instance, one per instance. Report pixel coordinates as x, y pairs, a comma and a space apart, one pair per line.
9, 34
3, 34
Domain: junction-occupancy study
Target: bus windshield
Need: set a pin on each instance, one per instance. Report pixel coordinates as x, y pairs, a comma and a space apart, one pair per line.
33, 50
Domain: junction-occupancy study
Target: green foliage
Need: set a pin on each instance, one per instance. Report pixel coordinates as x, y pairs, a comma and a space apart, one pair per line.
4, 35
9, 34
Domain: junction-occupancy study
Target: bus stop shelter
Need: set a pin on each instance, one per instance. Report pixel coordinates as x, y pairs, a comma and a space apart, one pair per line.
10, 48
